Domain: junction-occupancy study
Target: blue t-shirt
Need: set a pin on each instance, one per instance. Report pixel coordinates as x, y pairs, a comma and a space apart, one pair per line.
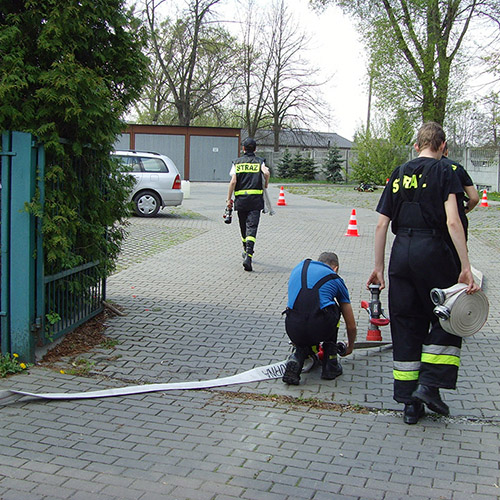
331, 290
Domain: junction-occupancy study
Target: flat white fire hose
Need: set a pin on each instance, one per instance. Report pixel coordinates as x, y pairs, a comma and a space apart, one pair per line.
268, 207
275, 370
460, 313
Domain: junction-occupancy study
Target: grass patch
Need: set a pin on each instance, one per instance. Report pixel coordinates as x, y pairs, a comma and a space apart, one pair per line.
290, 180
109, 343
494, 196
80, 367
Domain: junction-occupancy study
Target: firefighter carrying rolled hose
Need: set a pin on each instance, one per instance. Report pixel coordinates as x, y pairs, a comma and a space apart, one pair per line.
420, 201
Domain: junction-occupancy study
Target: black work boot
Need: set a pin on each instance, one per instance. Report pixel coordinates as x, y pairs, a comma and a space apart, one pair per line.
294, 365
413, 412
331, 366
247, 263
431, 397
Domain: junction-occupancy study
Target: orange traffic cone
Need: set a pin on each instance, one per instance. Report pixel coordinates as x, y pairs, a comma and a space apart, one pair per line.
352, 229
484, 201
281, 199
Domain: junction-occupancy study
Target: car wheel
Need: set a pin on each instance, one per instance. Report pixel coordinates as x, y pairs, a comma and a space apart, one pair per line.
147, 204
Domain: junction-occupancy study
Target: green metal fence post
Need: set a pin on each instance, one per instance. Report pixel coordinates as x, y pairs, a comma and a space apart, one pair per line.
5, 241
40, 268
22, 239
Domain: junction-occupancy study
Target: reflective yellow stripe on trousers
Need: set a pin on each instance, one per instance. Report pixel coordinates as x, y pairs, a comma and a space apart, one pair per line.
441, 355
406, 370
440, 359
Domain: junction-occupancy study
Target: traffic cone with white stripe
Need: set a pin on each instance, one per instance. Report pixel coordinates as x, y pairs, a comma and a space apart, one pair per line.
484, 201
352, 228
281, 199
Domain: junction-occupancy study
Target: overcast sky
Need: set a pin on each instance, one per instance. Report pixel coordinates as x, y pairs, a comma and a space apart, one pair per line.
338, 52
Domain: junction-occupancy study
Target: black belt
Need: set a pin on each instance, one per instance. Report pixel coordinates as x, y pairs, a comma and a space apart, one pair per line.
415, 230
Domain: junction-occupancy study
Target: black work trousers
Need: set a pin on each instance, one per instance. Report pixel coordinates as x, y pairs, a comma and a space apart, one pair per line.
423, 351
304, 331
249, 223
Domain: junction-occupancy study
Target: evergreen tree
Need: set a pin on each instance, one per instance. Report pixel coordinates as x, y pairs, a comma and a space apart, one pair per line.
307, 169
332, 166
70, 69
296, 165
284, 165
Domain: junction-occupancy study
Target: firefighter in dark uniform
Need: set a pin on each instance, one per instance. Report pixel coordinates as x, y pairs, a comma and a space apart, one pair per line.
249, 177
469, 197
420, 200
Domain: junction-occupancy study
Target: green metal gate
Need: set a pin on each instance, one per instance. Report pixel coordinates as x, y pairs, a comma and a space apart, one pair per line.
21, 159
35, 309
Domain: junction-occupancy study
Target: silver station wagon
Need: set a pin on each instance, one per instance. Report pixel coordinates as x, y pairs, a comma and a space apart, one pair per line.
157, 181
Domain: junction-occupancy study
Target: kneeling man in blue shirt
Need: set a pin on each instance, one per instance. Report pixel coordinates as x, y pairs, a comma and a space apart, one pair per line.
317, 297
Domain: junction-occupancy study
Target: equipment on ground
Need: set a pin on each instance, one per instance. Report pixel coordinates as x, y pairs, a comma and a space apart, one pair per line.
365, 187
375, 311
342, 346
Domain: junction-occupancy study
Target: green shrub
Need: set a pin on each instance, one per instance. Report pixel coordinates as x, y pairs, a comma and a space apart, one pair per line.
332, 166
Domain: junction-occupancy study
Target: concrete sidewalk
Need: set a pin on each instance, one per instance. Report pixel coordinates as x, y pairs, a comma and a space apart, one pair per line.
193, 313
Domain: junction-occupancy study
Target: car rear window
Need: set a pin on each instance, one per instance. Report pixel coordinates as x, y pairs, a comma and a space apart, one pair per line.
141, 164
153, 165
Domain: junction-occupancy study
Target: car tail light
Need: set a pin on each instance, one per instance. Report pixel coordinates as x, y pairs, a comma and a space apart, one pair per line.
177, 182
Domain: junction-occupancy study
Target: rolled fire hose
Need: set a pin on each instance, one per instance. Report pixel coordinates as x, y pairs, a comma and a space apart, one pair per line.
460, 313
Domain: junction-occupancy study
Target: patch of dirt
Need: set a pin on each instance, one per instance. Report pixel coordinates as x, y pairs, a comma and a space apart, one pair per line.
294, 401
80, 340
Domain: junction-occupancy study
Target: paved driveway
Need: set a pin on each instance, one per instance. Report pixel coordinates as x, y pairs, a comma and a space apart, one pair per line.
193, 313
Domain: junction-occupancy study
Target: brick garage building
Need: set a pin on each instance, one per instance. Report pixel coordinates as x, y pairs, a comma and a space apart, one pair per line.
200, 153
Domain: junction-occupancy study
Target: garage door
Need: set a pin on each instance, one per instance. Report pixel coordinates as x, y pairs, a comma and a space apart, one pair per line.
211, 157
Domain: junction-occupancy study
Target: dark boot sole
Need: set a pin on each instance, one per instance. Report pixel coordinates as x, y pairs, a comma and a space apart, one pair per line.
331, 376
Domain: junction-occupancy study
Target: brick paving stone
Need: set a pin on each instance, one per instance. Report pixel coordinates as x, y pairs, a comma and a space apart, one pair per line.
13, 484
85, 495
104, 468
181, 493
